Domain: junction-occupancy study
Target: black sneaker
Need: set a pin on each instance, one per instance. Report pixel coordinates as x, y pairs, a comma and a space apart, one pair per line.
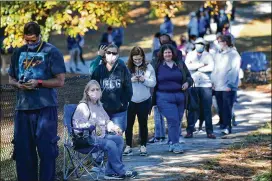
154, 140
131, 174
114, 177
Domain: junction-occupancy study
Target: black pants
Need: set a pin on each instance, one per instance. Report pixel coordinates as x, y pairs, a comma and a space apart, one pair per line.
141, 110
204, 113
225, 101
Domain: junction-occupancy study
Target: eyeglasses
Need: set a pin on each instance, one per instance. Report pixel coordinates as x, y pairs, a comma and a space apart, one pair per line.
113, 53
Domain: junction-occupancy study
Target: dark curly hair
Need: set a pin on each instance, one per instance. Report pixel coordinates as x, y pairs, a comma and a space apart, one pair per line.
134, 52
166, 47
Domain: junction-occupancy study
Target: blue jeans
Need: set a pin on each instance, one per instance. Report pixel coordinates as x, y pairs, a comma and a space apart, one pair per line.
36, 129
204, 112
225, 101
113, 144
171, 105
159, 123
119, 119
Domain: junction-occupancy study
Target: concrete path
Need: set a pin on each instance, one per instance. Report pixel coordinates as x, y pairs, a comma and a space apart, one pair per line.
252, 111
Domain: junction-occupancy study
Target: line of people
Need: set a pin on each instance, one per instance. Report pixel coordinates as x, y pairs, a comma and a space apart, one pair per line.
115, 95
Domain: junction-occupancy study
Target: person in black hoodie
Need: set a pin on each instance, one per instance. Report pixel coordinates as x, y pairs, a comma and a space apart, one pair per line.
115, 81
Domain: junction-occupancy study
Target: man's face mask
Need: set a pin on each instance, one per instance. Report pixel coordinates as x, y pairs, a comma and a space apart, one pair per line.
32, 41
199, 48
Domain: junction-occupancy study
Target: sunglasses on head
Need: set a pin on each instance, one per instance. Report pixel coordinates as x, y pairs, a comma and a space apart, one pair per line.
113, 53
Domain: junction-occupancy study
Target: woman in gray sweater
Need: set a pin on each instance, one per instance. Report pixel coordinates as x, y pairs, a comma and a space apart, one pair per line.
143, 79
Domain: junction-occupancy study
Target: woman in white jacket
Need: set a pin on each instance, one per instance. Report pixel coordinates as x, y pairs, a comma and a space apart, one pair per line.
143, 79
225, 79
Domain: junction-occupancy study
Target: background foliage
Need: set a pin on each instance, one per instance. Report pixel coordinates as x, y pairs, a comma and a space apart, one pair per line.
70, 17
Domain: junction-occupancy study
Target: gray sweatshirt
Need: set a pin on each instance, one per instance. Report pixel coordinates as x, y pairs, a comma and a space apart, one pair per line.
200, 68
226, 70
141, 90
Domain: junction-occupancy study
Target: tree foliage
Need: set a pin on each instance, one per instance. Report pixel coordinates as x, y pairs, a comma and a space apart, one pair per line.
215, 6
163, 8
69, 17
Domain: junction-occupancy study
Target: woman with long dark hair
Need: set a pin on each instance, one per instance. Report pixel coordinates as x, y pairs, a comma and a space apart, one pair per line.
143, 79
173, 79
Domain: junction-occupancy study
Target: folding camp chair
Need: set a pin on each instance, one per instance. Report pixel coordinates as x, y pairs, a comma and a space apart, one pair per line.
79, 161
255, 66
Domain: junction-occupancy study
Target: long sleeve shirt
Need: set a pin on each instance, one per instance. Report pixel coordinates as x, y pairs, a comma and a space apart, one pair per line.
200, 68
87, 114
226, 70
141, 90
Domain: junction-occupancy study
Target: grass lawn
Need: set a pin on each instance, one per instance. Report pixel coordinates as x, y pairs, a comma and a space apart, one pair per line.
249, 159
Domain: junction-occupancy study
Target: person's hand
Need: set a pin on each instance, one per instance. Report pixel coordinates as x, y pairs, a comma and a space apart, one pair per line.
118, 130
31, 84
134, 79
21, 86
228, 89
141, 78
185, 86
101, 50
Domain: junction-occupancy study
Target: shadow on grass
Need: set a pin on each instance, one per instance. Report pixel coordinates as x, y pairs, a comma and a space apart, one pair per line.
241, 161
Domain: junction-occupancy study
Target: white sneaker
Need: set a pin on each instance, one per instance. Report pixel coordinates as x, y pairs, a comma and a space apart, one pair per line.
225, 131
127, 151
181, 140
143, 151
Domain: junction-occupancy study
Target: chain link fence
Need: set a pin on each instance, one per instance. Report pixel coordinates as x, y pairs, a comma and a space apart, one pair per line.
71, 93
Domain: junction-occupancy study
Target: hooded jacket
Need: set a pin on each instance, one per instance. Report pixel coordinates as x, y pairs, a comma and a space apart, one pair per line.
116, 86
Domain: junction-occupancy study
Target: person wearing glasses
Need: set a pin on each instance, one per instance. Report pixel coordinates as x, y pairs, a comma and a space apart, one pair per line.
36, 69
115, 81
225, 79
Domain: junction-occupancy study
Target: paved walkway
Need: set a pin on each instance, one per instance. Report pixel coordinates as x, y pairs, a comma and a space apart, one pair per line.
252, 111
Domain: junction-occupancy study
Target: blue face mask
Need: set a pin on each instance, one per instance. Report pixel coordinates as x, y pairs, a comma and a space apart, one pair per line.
199, 48
34, 45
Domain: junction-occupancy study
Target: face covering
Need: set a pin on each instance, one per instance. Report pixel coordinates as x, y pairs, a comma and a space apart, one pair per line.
111, 59
199, 48
94, 96
138, 64
34, 45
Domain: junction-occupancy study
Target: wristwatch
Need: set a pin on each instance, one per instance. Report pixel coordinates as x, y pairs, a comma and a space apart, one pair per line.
40, 83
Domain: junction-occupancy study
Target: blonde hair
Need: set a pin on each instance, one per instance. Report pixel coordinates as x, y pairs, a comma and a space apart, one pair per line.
86, 97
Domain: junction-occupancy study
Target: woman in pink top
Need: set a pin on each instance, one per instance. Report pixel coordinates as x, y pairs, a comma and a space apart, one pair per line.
91, 112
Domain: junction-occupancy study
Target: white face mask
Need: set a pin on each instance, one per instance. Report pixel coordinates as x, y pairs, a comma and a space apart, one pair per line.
137, 60
138, 64
111, 59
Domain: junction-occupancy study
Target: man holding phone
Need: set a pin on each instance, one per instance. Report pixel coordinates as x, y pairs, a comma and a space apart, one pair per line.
36, 69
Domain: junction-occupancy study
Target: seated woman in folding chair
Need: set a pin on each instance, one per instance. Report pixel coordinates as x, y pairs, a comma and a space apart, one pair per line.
91, 112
